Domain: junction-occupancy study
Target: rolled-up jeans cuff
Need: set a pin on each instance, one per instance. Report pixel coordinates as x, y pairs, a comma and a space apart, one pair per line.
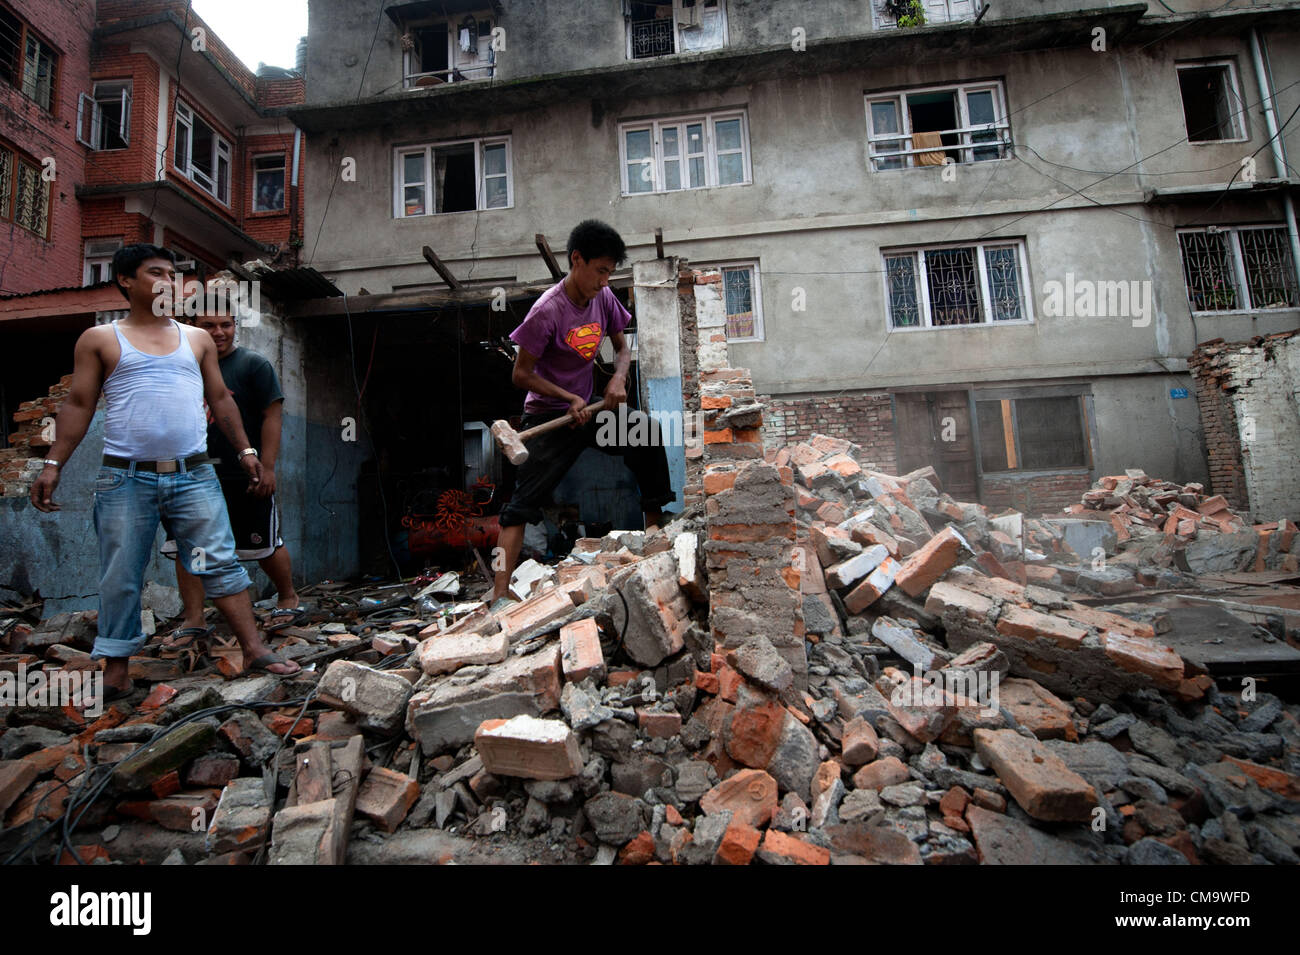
106, 647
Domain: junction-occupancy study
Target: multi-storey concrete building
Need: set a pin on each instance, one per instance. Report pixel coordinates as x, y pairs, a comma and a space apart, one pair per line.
988, 242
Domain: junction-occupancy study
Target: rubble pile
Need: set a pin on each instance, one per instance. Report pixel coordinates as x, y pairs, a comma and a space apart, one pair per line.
1180, 524
957, 700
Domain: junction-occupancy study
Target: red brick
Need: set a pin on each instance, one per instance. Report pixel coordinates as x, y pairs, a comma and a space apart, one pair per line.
738, 845
750, 794
788, 850
15, 776
386, 796
580, 652
639, 851
528, 747
1037, 778
935, 558
881, 773
754, 731
658, 724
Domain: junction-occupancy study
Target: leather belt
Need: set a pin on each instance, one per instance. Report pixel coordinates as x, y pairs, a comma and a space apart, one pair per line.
159, 467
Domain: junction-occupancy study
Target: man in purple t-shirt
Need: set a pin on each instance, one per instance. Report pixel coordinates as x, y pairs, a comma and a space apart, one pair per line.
558, 341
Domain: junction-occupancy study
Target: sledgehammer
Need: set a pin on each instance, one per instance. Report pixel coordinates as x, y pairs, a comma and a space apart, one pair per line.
512, 441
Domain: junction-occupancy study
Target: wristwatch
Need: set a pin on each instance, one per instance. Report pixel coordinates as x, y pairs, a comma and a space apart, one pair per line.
252, 451
50, 462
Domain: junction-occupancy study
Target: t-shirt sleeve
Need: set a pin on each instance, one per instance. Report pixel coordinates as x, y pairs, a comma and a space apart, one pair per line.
616, 316
266, 385
534, 332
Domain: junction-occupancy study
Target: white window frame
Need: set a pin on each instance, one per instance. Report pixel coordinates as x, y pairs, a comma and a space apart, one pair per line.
480, 179
678, 9
1240, 276
98, 253
90, 108
284, 167
879, 20
221, 150
756, 286
923, 286
1237, 104
459, 63
708, 121
1001, 125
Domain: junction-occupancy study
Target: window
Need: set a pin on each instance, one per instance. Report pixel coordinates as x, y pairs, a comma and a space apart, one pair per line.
104, 118
1212, 107
202, 154
1032, 434
936, 11
689, 153
742, 299
448, 51
453, 177
27, 62
97, 265
681, 26
928, 127
956, 285
1237, 268
268, 183
24, 193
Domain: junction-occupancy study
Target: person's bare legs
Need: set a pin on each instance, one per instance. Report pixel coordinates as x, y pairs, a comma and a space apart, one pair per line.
192, 596
279, 567
511, 541
238, 611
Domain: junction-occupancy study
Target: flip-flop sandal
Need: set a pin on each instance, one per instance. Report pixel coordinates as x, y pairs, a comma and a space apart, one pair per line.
282, 617
185, 637
268, 660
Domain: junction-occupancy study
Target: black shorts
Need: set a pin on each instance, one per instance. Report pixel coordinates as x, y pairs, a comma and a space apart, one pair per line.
254, 520
551, 455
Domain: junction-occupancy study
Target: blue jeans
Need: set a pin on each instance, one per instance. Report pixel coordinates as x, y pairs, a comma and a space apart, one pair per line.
129, 505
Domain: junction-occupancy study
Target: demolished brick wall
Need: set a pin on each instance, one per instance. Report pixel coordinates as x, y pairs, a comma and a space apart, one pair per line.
1038, 495
1246, 394
20, 463
864, 419
693, 493
749, 507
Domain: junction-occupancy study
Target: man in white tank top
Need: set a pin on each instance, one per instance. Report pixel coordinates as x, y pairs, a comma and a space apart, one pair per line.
154, 375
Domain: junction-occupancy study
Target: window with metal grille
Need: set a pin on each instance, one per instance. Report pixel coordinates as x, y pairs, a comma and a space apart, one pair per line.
1238, 268
956, 285
27, 61
742, 299
24, 193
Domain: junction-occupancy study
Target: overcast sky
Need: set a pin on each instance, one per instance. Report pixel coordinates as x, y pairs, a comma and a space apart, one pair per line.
264, 31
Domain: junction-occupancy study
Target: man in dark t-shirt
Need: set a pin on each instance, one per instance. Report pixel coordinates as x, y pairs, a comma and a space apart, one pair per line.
254, 511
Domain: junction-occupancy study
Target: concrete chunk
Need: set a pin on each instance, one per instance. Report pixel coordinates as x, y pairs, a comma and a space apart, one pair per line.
377, 699
530, 748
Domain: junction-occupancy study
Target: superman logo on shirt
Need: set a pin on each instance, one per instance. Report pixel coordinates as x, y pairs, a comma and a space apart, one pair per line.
585, 339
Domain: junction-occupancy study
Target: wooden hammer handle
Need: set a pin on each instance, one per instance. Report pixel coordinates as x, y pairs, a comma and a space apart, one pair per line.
557, 422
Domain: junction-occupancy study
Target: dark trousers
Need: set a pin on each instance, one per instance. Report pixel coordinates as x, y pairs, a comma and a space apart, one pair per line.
551, 455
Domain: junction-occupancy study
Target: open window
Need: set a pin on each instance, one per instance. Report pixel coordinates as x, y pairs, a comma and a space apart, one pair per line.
937, 125
104, 116
936, 11
1213, 110
27, 61
680, 26
452, 177
202, 154
98, 261
448, 50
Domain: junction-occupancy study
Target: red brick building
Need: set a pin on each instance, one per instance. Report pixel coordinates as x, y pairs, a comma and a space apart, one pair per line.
128, 121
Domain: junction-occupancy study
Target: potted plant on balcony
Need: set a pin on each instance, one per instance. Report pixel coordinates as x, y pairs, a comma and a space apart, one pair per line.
906, 13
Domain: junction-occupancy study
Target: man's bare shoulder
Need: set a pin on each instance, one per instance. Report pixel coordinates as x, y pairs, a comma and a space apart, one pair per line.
199, 339
96, 337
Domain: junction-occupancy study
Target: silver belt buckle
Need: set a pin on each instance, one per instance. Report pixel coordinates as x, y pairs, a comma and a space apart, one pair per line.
165, 467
